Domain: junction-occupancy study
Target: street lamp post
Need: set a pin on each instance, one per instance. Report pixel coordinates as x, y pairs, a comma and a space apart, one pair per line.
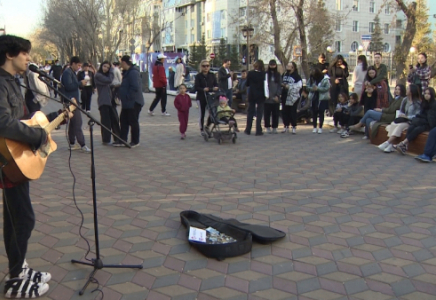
329, 53
247, 31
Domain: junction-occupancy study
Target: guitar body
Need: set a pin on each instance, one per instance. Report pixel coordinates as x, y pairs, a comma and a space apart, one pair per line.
22, 163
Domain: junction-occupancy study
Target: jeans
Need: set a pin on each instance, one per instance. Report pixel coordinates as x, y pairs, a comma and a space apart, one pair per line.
370, 115
130, 118
161, 95
430, 146
86, 97
229, 95
18, 223
413, 131
259, 114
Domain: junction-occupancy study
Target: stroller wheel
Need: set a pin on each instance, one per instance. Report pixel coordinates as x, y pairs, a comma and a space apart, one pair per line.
206, 137
220, 140
234, 140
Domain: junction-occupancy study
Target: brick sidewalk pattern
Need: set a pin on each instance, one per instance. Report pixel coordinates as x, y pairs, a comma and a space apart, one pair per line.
360, 224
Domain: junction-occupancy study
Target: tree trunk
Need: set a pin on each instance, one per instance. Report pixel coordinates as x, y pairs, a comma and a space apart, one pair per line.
433, 70
299, 13
409, 34
277, 33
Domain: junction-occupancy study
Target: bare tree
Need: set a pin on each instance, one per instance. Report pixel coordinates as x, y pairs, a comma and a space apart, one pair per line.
403, 50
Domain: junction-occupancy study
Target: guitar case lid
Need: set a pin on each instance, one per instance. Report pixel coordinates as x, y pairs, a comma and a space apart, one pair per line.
242, 232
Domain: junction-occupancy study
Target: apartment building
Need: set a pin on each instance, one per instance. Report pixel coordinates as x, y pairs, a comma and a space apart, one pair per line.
354, 23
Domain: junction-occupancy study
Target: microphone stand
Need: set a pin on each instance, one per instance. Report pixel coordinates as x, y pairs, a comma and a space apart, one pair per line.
96, 262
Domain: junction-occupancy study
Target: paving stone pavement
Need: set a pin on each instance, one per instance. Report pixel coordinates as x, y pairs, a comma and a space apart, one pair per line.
360, 224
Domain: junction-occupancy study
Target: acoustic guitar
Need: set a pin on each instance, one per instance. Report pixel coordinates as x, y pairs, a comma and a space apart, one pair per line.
21, 163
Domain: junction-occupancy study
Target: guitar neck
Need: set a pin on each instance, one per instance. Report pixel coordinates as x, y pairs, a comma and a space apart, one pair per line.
55, 123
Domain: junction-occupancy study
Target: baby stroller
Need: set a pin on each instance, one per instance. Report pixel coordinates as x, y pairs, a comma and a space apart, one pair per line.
220, 130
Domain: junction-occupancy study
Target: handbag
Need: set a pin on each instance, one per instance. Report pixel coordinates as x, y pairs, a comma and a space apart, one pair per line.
266, 86
402, 120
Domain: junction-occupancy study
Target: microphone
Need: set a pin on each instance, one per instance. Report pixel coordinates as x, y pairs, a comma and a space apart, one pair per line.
35, 69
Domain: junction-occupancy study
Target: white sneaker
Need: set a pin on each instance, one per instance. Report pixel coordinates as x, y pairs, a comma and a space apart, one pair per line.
314, 130
334, 130
285, 130
345, 134
364, 137
389, 149
319, 130
383, 146
268, 130
85, 149
150, 113
32, 275
274, 130
341, 131
165, 114
75, 147
294, 130
24, 288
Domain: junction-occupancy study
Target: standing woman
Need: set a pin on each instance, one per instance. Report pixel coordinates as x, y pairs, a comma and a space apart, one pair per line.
338, 73
205, 82
88, 88
359, 75
319, 86
289, 110
256, 96
180, 73
421, 73
322, 64
272, 103
108, 114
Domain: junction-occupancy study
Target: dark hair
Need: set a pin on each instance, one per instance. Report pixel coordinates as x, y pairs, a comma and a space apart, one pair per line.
116, 63
322, 55
178, 59
182, 85
354, 96
414, 92
317, 75
378, 53
371, 68
295, 66
234, 76
402, 90
57, 60
304, 89
127, 60
74, 60
12, 45
85, 65
273, 73
100, 70
259, 65
345, 95
225, 60
336, 59
424, 64
362, 58
244, 71
425, 105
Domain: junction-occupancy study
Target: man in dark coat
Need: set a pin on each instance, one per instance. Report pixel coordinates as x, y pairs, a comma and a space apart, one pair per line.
56, 71
225, 80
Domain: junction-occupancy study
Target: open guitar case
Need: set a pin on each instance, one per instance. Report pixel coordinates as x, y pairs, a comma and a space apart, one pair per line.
243, 233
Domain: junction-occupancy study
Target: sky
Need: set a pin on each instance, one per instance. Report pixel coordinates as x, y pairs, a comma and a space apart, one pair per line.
21, 17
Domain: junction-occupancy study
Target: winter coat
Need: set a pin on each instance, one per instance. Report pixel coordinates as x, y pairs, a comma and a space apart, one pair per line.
426, 117
159, 75
201, 82
323, 88
388, 115
256, 85
182, 103
294, 88
355, 110
103, 83
179, 77
275, 88
130, 91
358, 79
81, 76
223, 79
70, 84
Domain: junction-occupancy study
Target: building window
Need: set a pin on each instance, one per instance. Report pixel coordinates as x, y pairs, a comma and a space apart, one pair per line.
399, 24
387, 9
242, 11
371, 27
192, 22
192, 38
355, 26
372, 7
398, 39
223, 15
387, 47
338, 25
338, 4
355, 5
354, 46
338, 46
186, 39
386, 28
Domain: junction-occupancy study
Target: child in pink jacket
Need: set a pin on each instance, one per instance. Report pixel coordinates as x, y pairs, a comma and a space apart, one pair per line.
182, 104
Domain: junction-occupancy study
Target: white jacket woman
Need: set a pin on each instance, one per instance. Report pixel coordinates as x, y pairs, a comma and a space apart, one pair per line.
359, 75
180, 72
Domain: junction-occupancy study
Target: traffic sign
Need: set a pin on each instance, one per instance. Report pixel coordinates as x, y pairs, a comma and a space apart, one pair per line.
212, 55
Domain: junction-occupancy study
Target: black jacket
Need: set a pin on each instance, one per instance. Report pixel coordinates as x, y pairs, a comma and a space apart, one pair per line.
427, 117
56, 71
202, 81
81, 76
223, 79
12, 109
